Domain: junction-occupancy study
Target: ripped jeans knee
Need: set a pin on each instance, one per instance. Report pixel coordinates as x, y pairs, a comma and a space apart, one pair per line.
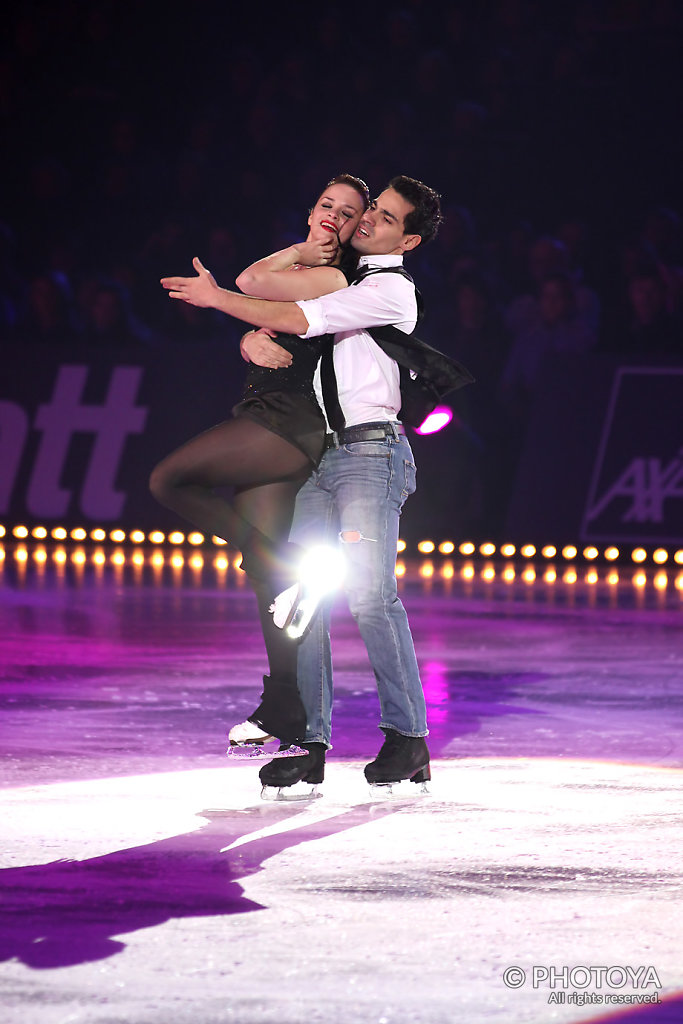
354, 537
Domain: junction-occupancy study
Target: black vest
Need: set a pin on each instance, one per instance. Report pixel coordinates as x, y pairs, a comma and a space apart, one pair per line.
426, 374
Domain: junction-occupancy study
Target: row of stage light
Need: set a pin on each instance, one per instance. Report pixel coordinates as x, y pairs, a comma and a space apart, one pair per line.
426, 571
659, 556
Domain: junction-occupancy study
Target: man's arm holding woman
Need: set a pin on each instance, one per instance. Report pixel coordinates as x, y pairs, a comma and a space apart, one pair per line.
203, 291
301, 271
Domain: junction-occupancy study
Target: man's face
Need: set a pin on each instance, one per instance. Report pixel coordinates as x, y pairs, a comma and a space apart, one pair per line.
381, 231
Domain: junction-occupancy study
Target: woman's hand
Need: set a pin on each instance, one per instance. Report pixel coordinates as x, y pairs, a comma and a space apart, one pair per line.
198, 291
317, 253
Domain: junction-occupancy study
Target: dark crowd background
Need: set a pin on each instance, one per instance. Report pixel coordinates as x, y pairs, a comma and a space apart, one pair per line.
138, 136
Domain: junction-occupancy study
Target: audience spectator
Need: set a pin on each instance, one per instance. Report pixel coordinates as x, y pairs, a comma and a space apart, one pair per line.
123, 167
10, 284
48, 315
480, 341
662, 233
553, 325
108, 321
654, 329
549, 257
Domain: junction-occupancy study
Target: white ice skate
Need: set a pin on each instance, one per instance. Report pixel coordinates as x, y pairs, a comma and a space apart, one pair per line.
246, 733
321, 571
247, 741
283, 606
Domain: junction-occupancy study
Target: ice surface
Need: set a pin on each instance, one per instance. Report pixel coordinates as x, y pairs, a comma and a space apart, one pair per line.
144, 880
183, 897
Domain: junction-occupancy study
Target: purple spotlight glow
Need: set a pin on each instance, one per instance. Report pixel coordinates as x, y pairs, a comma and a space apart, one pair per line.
436, 420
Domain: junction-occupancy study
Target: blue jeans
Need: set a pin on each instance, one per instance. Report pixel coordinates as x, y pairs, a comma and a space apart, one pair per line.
355, 497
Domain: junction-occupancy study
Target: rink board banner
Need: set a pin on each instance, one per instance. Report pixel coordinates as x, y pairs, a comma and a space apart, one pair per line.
636, 492
79, 435
603, 458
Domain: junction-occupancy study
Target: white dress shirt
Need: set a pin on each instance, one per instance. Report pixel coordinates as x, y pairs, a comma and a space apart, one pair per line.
367, 378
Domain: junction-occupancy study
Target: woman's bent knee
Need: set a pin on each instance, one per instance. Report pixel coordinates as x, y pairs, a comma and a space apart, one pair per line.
159, 483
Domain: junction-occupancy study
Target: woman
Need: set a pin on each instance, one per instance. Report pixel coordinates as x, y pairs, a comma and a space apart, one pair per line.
267, 450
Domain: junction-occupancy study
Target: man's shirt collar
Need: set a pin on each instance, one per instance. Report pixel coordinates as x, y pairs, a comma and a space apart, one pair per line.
380, 261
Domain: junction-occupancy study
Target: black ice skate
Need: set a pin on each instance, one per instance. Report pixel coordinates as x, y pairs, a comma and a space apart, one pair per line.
279, 716
282, 779
401, 757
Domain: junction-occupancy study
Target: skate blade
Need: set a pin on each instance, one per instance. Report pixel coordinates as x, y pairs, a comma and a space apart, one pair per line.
300, 791
254, 751
393, 790
302, 616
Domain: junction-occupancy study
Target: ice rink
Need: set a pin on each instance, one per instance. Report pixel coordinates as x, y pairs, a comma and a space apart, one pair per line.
145, 881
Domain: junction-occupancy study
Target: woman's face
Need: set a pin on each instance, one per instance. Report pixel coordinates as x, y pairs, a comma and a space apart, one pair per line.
555, 303
337, 212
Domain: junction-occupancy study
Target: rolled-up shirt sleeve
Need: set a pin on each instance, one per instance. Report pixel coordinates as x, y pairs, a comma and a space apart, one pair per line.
367, 304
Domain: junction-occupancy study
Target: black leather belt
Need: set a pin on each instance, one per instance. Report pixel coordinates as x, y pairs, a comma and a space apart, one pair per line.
363, 432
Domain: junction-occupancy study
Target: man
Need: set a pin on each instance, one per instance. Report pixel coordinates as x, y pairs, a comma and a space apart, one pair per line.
364, 477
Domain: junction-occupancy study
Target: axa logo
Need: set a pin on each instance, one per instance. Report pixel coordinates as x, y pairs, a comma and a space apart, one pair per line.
637, 479
642, 488
57, 421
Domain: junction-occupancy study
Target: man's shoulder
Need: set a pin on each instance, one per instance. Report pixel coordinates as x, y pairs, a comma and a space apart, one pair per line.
386, 278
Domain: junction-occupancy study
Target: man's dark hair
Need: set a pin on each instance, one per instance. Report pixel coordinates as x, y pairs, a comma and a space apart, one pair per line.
425, 217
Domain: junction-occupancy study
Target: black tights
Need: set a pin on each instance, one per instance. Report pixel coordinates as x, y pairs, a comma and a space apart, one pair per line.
265, 472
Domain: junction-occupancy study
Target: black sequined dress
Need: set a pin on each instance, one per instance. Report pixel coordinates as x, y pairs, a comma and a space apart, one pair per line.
283, 399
